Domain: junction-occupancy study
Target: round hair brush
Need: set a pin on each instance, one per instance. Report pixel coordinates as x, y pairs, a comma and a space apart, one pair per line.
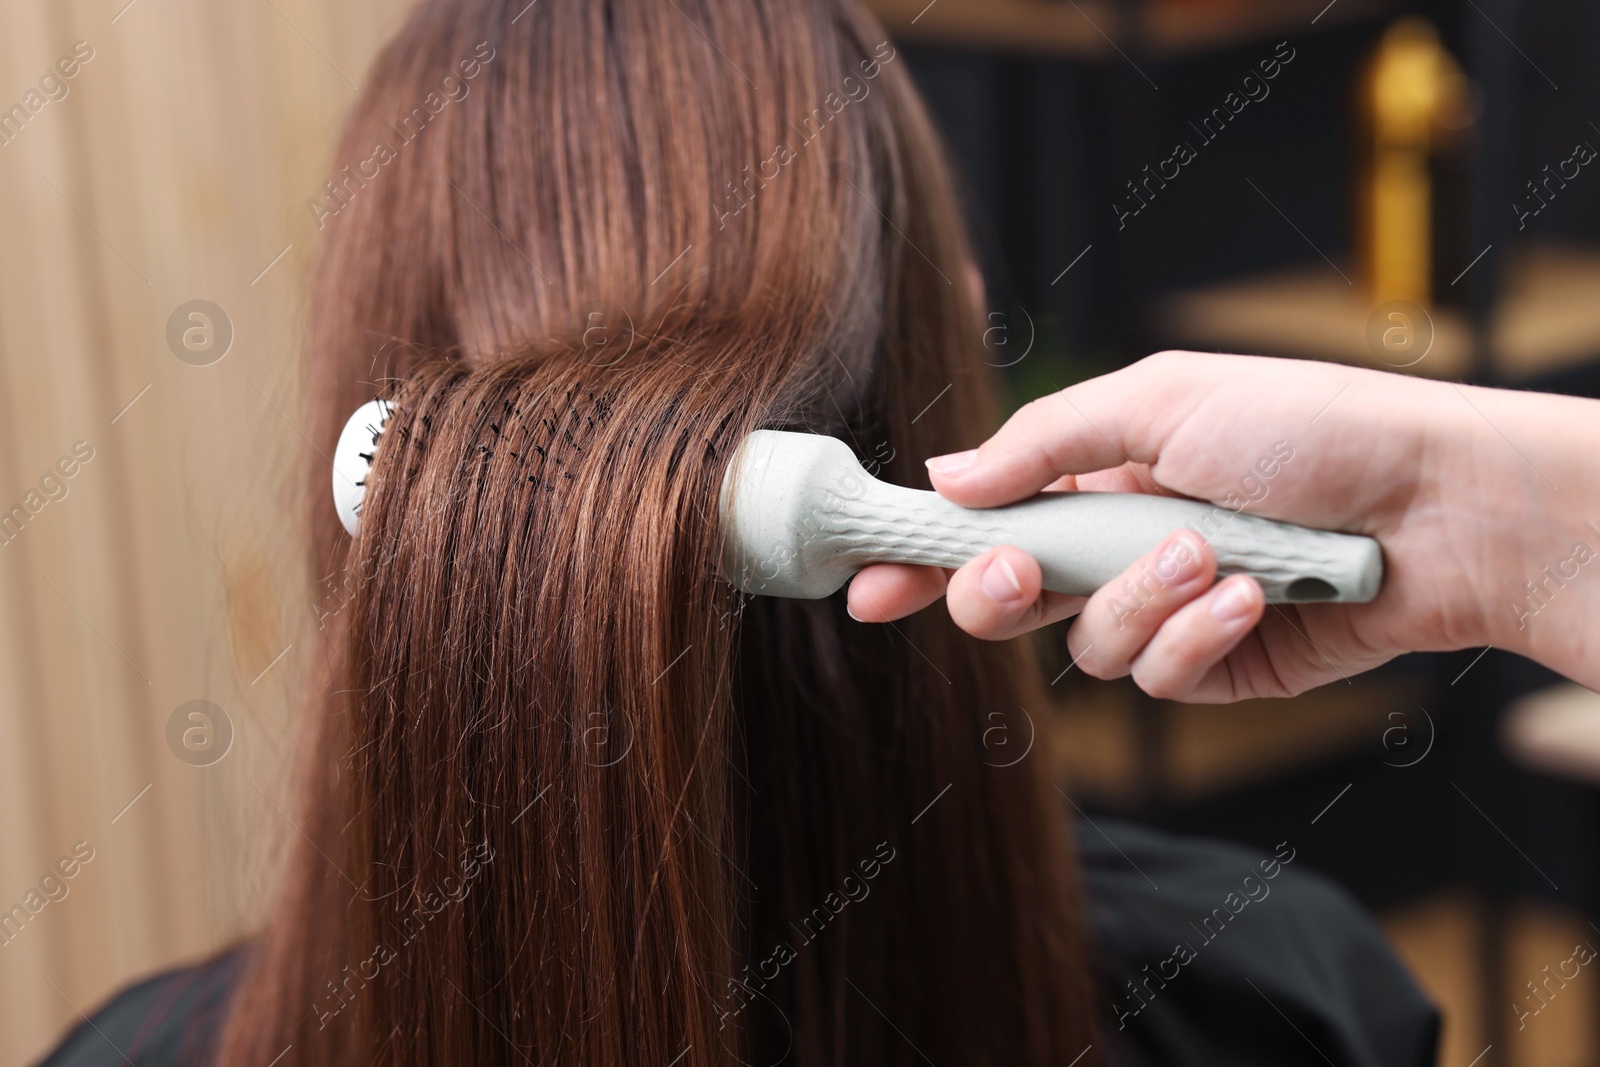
800, 516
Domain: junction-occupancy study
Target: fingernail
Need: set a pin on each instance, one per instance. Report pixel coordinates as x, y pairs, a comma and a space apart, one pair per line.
999, 581
954, 463
1233, 602
1179, 560
848, 610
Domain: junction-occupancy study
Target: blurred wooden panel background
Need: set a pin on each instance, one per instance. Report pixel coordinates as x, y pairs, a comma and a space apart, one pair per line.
173, 165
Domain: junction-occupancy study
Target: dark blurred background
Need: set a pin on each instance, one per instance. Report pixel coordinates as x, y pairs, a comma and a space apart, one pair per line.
1410, 190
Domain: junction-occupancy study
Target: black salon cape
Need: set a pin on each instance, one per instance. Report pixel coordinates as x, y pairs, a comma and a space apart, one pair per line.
1288, 969
1297, 975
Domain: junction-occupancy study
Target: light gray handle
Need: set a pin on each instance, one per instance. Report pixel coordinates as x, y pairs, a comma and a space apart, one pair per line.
1084, 540
801, 516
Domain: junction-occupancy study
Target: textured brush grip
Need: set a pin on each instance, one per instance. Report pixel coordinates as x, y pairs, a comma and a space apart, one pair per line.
802, 516
1084, 540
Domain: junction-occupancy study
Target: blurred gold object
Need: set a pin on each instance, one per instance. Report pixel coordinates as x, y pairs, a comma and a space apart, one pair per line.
1412, 94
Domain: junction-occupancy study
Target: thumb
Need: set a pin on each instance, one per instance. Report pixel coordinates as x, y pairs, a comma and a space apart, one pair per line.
1122, 417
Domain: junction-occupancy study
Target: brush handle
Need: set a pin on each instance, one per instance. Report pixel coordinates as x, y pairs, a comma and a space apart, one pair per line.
1084, 540
801, 516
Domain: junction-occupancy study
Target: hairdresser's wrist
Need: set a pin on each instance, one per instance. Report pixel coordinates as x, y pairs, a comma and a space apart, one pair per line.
1527, 503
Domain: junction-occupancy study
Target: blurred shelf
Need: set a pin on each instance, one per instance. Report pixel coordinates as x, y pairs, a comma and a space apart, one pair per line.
1550, 317
1213, 749
1556, 731
1547, 320
1176, 27
1099, 28
1302, 311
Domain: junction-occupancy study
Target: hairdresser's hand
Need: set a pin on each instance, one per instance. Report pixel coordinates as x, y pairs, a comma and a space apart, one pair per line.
1458, 484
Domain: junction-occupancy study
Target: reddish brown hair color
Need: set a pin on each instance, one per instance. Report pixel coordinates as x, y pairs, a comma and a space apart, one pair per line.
573, 800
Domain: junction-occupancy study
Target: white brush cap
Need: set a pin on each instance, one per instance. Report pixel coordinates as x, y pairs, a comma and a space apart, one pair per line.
352, 460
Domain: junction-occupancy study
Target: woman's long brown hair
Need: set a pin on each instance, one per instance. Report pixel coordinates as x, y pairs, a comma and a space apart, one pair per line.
572, 799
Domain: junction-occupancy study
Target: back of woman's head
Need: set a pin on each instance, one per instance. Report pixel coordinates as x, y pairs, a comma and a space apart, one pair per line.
573, 799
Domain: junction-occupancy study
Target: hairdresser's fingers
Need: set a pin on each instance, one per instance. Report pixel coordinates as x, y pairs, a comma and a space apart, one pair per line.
1125, 613
998, 595
1120, 418
887, 591
1184, 653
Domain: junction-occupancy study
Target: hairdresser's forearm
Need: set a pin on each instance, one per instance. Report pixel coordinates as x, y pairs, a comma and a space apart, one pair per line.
1528, 490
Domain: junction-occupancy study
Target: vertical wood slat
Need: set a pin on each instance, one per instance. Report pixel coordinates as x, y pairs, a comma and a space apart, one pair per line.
177, 167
